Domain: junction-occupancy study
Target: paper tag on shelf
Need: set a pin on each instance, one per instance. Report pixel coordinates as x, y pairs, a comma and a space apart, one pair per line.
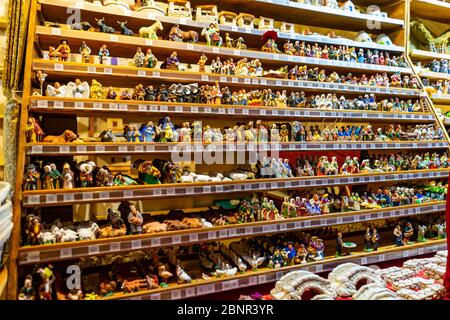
363, 260
148, 42
194, 109
156, 74
43, 103
237, 52
79, 105
176, 239
306, 224
156, 242
263, 82
107, 70
190, 292
223, 79
114, 246
234, 80
248, 80
212, 235
142, 73
36, 149
113, 106
262, 278
68, 197
98, 149
252, 281
206, 189
205, 78
170, 191
381, 257
215, 50
278, 83
123, 107
319, 268
58, 66
255, 81
65, 253
193, 237
223, 234
136, 244
104, 195
175, 295
87, 196
228, 285
151, 16
96, 105
114, 38
421, 251
157, 192
94, 249
128, 194
232, 232
190, 190
56, 31
50, 198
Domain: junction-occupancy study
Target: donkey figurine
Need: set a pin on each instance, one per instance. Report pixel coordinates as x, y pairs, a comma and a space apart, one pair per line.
103, 27
124, 28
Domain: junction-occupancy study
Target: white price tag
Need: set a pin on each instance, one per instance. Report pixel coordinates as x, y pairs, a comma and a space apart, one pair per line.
252, 281
156, 74
319, 268
94, 249
43, 103
115, 246
151, 16
128, 194
148, 42
138, 148
92, 69
157, 192
96, 106
212, 235
283, 226
189, 190
79, 105
98, 149
339, 220
216, 50
193, 237
64, 149
87, 196
136, 244
306, 224
278, 83
156, 242
249, 230
176, 239
194, 109
262, 278
68, 197
228, 285
255, 81
234, 80
58, 66
79, 4
237, 52
65, 253
123, 107
219, 189
205, 78
32, 256
114, 38
113, 106
207, 189
190, 292
175, 295
223, 79
421, 251
381, 257
123, 149
107, 71
50, 198
207, 110
248, 81
170, 191
142, 73
36, 149
223, 234
263, 82
231, 232
104, 195
363, 260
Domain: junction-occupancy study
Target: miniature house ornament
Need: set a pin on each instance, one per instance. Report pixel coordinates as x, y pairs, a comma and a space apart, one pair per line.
149, 7
228, 18
179, 9
363, 36
349, 6
207, 13
121, 4
266, 24
245, 20
287, 27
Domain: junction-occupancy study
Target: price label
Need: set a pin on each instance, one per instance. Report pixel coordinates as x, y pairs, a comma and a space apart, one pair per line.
206, 189
189, 190
263, 82
219, 189
194, 109
248, 80
278, 83
221, 110
104, 195
421, 251
381, 257
290, 58
234, 80
205, 78
306, 224
123, 107
155, 296
65, 253
79, 5
262, 278
128, 194
230, 110
136, 244
216, 50
157, 192
58, 66
237, 52
363, 260
64, 149
36, 149
339, 220
50, 198
94, 249
274, 112
223, 79
68, 197
115, 246
405, 253
212, 235
156, 74
190, 292
234, 28
176, 239
228, 285
319, 268
107, 71
231, 232
193, 237
98, 149
96, 105
43, 103
148, 42
79, 105
156, 242
151, 16
114, 38
283, 226
170, 191
87, 196
113, 106
223, 234
142, 73
252, 281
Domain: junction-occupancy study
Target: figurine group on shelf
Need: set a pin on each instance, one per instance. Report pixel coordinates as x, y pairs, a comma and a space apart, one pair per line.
440, 66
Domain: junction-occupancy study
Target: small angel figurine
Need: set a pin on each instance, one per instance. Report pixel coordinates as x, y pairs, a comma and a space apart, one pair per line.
57, 90
103, 54
63, 50
85, 52
96, 90
78, 89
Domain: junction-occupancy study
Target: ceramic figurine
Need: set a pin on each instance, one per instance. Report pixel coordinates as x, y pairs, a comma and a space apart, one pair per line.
398, 236
96, 90
149, 173
63, 50
172, 62
341, 250
47, 178
33, 131
421, 234
368, 240
212, 35
103, 54
78, 89
150, 32
375, 239
164, 275
148, 132
139, 58
32, 178
86, 173
103, 178
67, 177
111, 94
125, 95
201, 62
150, 60
136, 220
103, 27
85, 52
176, 34
123, 180
408, 233
27, 292
34, 230
57, 90
124, 28
41, 76
47, 279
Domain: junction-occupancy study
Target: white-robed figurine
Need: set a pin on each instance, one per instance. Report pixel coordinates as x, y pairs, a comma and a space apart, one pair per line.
57, 90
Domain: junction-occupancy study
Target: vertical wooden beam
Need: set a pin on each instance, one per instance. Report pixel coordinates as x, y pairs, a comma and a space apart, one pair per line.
16, 233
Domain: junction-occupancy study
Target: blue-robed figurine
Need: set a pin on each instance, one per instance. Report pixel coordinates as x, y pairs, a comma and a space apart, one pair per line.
398, 236
148, 132
291, 253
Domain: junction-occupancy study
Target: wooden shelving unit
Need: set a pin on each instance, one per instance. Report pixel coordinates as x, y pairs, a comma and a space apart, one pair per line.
434, 10
41, 36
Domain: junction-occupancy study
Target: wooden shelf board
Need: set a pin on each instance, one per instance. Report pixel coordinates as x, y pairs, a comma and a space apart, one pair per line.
130, 76
3, 23
320, 16
125, 46
106, 148
435, 75
56, 12
266, 275
119, 107
73, 250
441, 99
428, 55
60, 197
433, 10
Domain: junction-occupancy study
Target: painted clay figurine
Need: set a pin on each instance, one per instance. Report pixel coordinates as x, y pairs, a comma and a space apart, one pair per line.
85, 52
63, 50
